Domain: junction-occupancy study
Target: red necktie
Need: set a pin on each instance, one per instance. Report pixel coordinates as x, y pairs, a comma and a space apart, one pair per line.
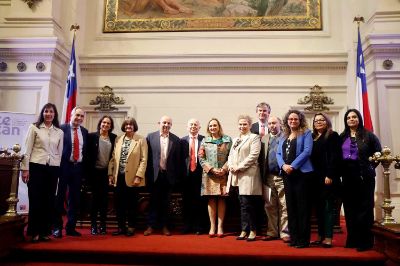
76, 145
192, 155
262, 133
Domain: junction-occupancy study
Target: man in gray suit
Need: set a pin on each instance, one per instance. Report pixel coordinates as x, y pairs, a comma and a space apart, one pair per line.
275, 201
162, 172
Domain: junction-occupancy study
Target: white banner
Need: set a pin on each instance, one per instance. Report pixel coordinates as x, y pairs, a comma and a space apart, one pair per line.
13, 129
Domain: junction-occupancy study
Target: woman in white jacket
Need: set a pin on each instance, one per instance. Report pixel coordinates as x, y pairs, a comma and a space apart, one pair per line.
244, 175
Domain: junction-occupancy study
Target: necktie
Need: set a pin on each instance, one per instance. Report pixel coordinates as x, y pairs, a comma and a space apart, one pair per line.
262, 133
192, 155
76, 145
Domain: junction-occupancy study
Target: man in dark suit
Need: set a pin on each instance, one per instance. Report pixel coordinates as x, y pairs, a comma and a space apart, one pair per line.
194, 207
162, 172
263, 110
72, 171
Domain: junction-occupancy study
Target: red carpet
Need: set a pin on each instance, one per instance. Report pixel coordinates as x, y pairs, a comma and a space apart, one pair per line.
184, 250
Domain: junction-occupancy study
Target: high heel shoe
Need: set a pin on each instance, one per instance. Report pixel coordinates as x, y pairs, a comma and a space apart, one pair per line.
242, 236
221, 235
35, 239
212, 235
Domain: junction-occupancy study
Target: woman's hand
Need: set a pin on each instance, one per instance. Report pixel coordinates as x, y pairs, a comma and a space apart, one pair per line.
110, 180
328, 181
287, 168
233, 169
136, 181
25, 176
219, 172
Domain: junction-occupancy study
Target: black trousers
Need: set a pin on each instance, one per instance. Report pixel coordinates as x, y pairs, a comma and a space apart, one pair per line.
248, 216
99, 184
71, 179
41, 192
160, 194
125, 203
358, 204
298, 201
195, 216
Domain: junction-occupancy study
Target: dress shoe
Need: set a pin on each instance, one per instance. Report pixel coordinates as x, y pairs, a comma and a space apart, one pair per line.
102, 230
270, 238
119, 232
57, 233
72, 232
326, 245
286, 239
251, 239
166, 231
44, 238
130, 231
93, 230
241, 238
316, 243
35, 239
148, 231
302, 246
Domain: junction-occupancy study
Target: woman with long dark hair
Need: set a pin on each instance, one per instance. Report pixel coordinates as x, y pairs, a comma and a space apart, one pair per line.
325, 158
293, 158
101, 146
358, 177
40, 170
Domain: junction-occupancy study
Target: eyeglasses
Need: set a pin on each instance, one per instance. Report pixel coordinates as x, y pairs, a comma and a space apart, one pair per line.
319, 120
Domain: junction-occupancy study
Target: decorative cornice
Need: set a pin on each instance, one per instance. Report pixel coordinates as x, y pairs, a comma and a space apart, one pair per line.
213, 89
214, 66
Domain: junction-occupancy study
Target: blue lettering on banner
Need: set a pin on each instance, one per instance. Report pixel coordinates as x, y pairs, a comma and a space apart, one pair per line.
6, 128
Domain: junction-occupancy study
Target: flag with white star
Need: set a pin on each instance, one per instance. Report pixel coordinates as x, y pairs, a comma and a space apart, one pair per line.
71, 88
361, 88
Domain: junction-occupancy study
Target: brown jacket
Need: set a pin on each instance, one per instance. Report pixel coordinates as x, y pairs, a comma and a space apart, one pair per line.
136, 161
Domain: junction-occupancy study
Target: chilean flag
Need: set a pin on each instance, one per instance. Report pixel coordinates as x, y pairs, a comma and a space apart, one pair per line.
71, 89
361, 88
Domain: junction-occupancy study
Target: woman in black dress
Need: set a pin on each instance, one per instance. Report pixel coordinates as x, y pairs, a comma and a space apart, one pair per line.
325, 158
358, 177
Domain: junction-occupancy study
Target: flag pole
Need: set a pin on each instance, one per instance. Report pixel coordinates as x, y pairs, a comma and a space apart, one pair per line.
362, 104
71, 88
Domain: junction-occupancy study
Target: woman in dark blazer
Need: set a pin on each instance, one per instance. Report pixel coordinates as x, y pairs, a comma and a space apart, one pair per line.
293, 156
101, 146
358, 177
325, 158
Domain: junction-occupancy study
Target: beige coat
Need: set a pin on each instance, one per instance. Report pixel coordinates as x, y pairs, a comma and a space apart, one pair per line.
136, 161
245, 158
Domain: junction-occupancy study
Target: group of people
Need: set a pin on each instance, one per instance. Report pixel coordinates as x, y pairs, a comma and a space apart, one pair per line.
282, 163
